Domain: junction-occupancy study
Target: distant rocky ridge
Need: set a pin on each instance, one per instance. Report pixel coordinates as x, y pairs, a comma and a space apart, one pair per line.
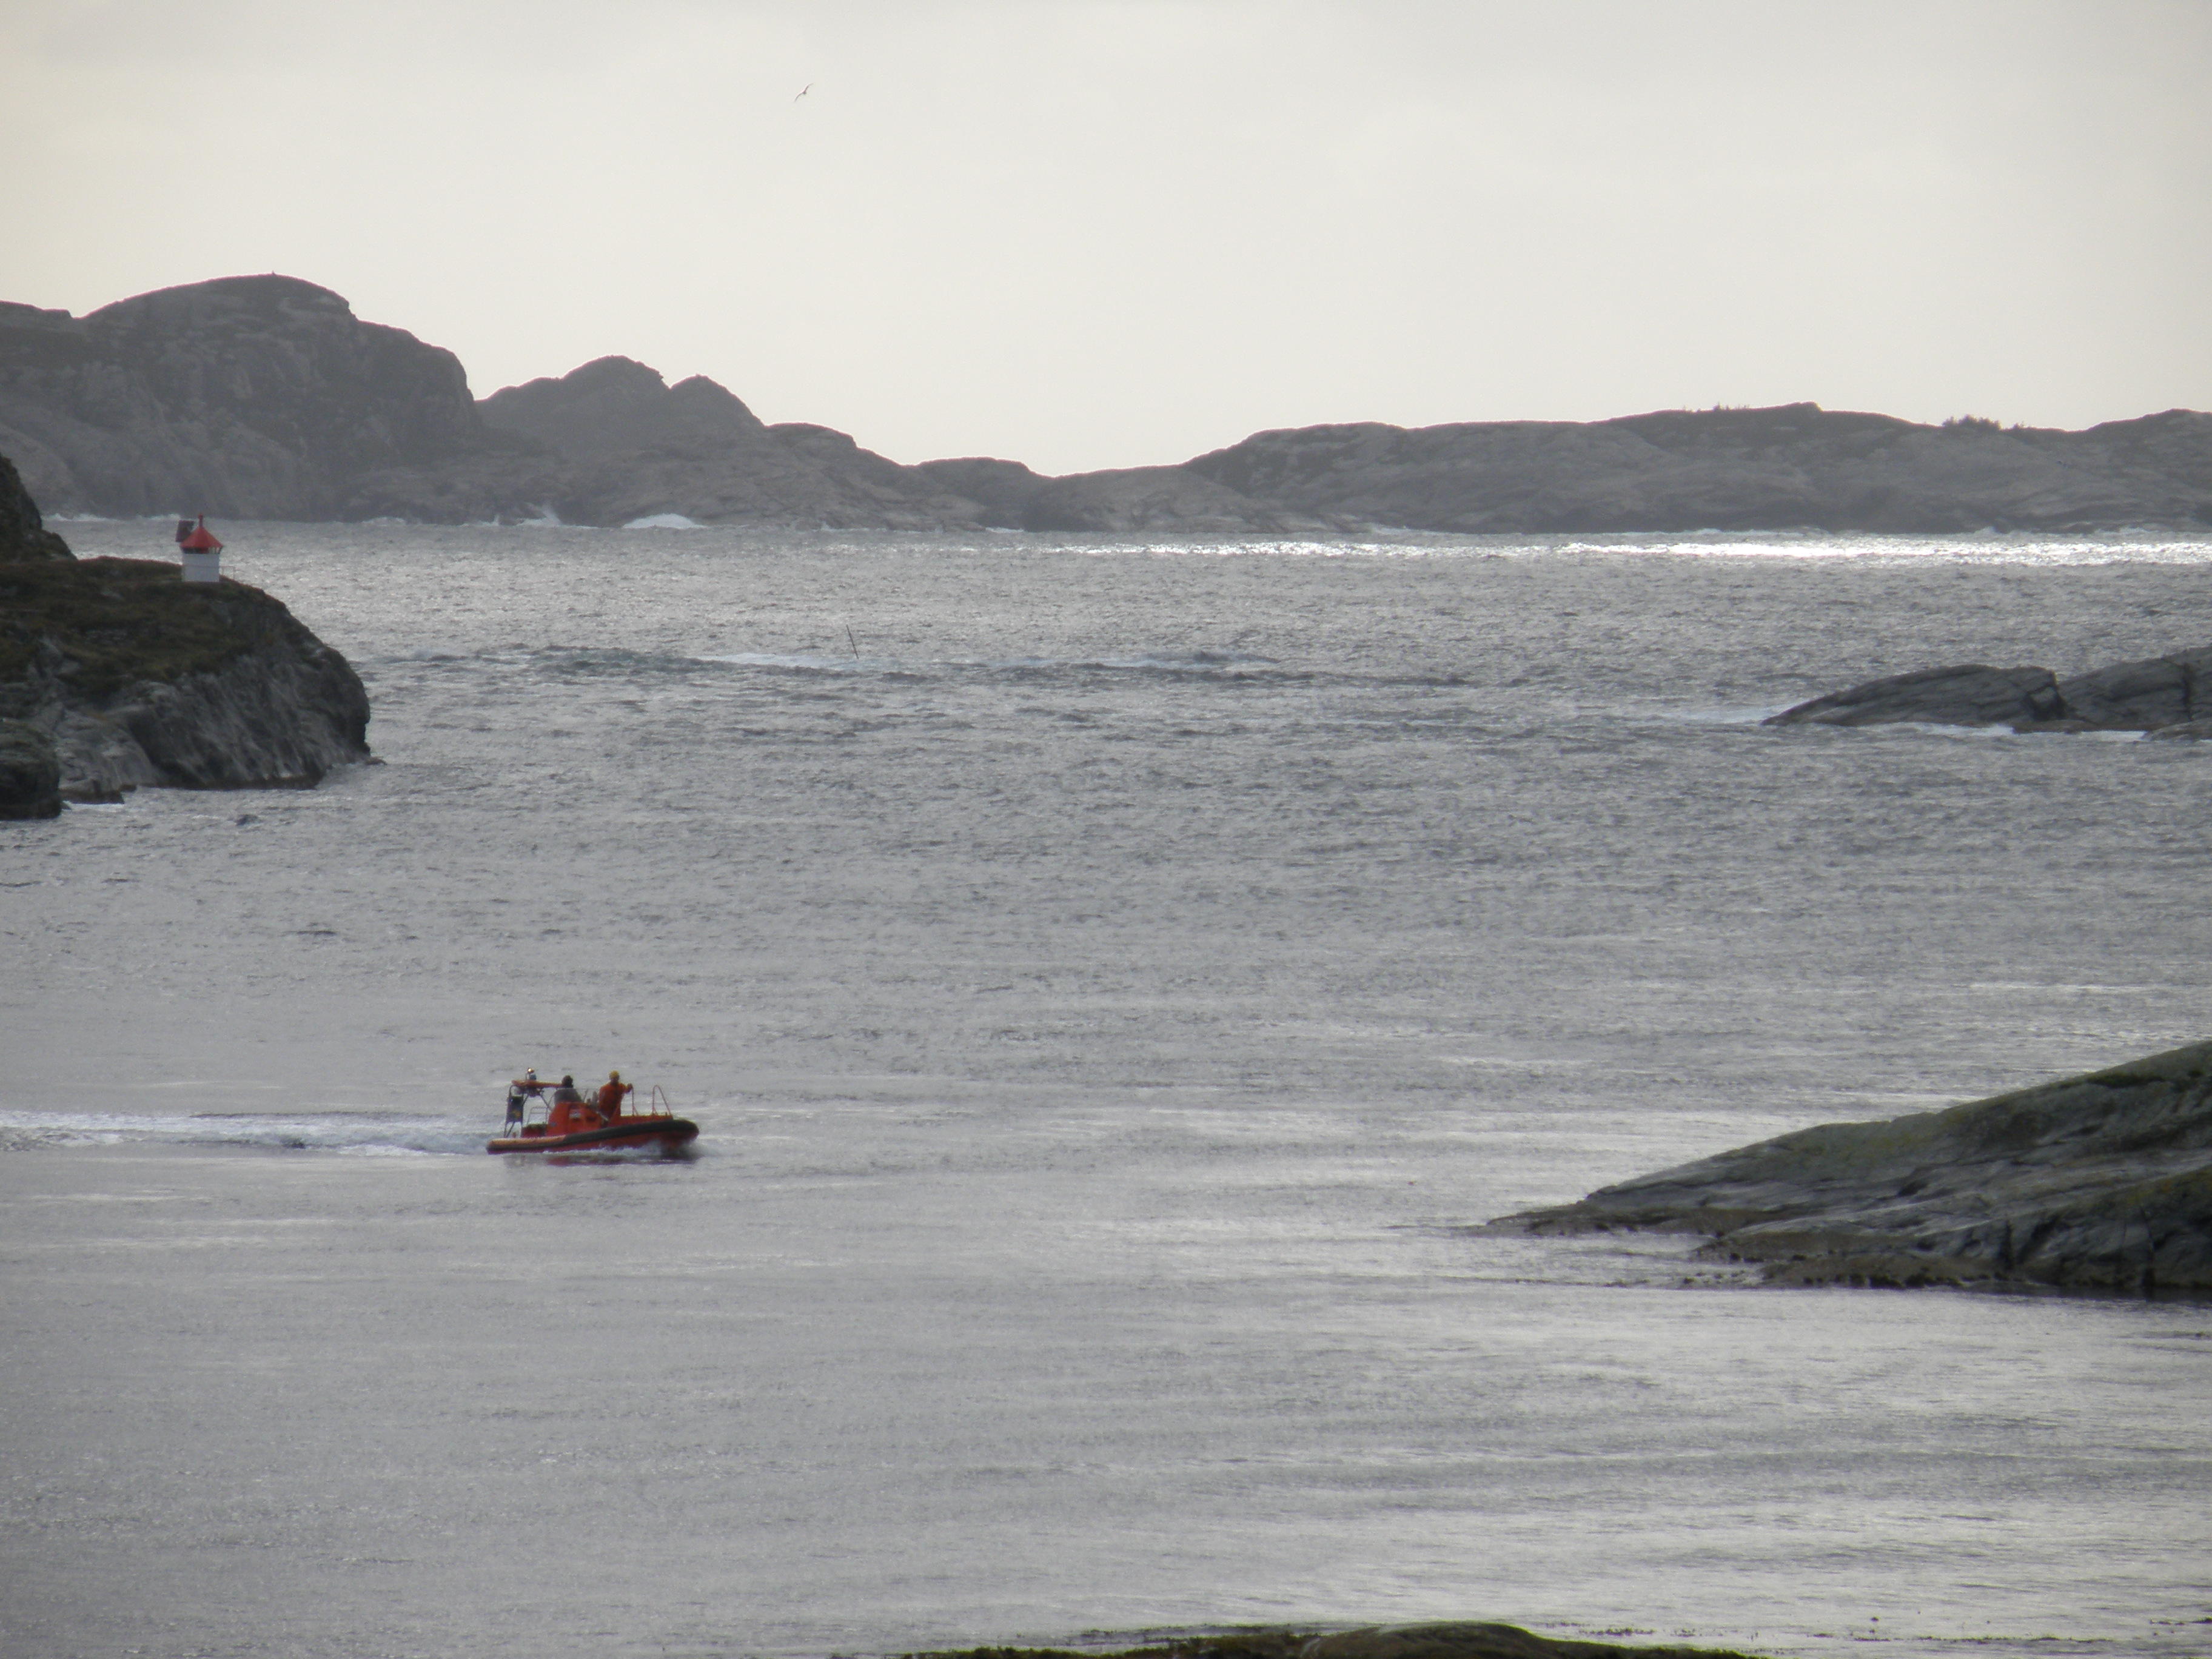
2097, 1182
2168, 697
263, 396
1798, 466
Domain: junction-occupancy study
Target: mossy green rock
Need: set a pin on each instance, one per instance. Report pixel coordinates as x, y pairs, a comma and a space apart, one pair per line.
2097, 1182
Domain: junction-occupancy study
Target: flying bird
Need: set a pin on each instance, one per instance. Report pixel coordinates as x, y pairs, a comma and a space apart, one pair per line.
802, 92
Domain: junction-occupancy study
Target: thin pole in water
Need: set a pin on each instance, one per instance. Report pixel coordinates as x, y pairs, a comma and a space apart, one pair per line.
850, 641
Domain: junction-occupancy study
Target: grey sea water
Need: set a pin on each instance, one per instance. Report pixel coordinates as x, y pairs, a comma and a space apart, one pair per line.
1110, 976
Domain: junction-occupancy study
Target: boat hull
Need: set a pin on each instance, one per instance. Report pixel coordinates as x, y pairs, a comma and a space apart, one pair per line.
665, 1135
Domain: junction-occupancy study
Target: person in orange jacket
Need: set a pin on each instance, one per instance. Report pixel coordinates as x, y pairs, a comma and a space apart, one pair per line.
610, 1096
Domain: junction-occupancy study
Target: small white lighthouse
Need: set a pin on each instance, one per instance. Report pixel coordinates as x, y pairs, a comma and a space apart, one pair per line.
203, 553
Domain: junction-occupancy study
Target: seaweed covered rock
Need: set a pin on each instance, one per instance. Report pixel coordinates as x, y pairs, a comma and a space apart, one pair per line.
2097, 1182
138, 677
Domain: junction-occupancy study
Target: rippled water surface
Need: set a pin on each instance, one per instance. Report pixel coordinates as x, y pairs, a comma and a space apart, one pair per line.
1108, 976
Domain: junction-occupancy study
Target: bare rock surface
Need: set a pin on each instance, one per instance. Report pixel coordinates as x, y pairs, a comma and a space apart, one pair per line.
1441, 1640
2170, 695
1459, 1640
1003, 491
1965, 695
255, 396
137, 677
2099, 1183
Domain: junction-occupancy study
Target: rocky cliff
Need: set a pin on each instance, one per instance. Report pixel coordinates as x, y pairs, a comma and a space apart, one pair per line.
265, 397
2098, 1182
23, 532
253, 397
134, 677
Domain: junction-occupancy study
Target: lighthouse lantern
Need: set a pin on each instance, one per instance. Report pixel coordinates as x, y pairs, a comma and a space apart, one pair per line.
203, 553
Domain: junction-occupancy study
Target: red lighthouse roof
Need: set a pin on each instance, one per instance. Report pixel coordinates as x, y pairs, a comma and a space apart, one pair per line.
199, 539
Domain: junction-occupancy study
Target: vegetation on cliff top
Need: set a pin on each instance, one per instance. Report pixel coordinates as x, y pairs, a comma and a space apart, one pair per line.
100, 624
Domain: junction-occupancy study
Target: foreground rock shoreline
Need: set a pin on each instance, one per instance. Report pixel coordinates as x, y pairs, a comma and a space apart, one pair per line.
267, 397
2100, 1182
1448, 1640
117, 674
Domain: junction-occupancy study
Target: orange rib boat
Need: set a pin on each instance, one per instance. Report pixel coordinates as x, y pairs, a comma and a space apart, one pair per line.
575, 1125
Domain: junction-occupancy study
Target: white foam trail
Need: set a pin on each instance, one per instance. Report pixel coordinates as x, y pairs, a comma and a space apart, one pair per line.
375, 1133
664, 521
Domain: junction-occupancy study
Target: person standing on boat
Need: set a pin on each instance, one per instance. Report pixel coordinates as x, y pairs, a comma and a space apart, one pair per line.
610, 1096
519, 1092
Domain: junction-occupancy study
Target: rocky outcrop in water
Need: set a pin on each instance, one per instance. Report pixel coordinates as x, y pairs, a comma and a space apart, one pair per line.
2099, 1183
137, 677
1443, 1640
1458, 1640
2169, 696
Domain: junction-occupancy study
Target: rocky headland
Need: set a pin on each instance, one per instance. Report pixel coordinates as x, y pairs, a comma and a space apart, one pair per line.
252, 397
2101, 1182
265, 397
117, 674
2168, 697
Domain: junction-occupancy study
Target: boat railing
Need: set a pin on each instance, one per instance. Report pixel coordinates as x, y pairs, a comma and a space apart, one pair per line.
538, 1103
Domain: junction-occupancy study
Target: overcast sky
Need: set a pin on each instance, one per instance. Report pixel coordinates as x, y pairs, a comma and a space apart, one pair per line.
1105, 232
